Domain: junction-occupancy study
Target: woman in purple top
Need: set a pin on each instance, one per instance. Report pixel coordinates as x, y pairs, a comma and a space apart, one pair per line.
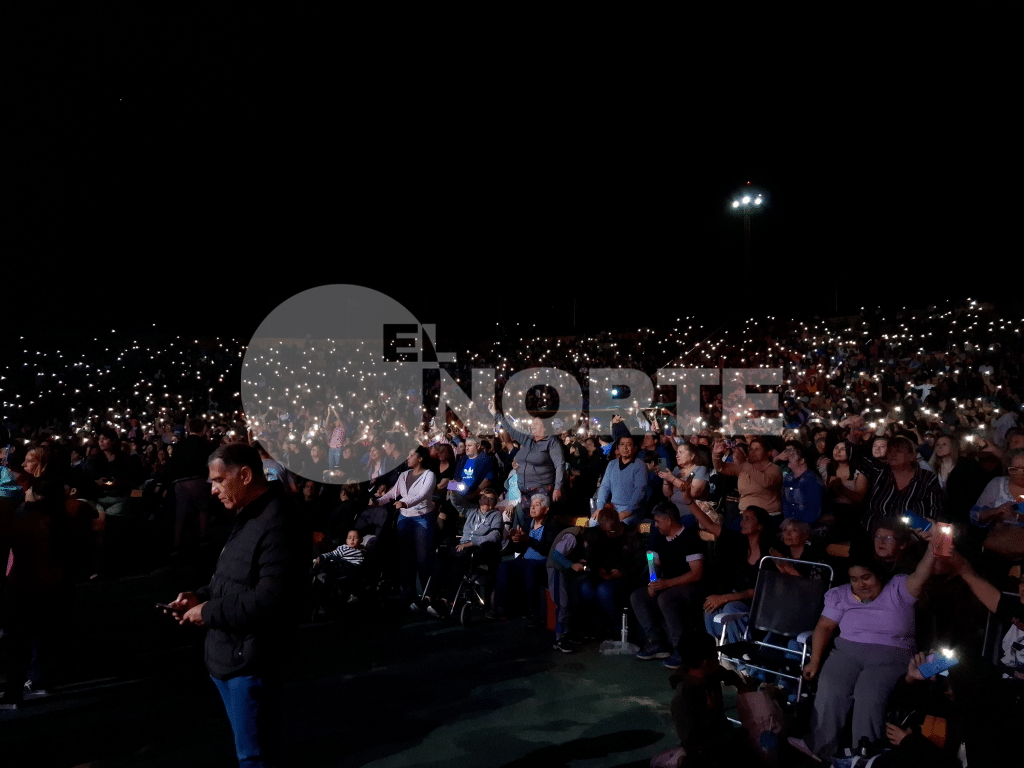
875, 619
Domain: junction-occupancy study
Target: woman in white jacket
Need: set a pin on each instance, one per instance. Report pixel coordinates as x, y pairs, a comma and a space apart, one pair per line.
412, 497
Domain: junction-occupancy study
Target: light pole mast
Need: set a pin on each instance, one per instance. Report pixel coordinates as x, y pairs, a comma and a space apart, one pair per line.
745, 203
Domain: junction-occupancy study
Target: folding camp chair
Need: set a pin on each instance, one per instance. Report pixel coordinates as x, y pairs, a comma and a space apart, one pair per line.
786, 606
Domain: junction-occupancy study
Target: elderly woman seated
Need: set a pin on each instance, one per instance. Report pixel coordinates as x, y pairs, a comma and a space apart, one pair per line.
796, 545
522, 580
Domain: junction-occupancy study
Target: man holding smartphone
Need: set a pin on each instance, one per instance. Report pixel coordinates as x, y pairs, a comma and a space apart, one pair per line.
248, 608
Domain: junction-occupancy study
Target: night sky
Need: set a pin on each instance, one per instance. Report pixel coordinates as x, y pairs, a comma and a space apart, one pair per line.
205, 218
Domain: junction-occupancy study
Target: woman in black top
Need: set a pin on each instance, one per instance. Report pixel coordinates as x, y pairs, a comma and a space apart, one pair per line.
961, 477
739, 557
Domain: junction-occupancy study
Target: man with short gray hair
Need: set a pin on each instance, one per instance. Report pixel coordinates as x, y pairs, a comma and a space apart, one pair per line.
249, 605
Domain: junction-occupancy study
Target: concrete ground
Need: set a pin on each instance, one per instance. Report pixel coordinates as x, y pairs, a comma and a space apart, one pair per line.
373, 687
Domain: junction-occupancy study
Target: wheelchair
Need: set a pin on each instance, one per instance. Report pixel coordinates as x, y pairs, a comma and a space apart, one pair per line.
471, 596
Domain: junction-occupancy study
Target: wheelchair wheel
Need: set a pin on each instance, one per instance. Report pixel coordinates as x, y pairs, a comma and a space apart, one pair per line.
468, 615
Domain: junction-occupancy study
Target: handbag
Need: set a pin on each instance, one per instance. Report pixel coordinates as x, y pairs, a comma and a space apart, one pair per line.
1006, 539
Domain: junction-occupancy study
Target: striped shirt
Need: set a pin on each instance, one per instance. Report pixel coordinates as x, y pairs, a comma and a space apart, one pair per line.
349, 554
923, 496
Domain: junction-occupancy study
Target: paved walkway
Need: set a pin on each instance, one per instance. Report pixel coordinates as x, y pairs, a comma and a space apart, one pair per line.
375, 688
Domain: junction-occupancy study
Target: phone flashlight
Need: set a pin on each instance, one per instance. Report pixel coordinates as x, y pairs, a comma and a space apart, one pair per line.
944, 541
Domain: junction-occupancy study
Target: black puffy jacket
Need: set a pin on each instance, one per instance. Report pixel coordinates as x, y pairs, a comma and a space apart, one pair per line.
253, 598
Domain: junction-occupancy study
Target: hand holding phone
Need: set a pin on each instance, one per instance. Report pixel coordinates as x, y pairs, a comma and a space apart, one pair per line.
936, 664
915, 521
943, 541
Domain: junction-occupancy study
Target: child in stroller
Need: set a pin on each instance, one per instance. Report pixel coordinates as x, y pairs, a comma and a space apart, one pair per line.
335, 574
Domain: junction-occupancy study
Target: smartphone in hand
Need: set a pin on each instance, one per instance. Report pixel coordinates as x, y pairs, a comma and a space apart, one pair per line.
936, 664
915, 521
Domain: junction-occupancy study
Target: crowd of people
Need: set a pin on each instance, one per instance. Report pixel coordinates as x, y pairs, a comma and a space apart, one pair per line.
887, 438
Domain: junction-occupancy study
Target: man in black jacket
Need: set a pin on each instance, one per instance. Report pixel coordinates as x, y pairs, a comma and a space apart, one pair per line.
248, 605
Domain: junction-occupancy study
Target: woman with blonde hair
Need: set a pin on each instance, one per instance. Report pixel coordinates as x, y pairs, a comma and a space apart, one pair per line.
960, 476
36, 460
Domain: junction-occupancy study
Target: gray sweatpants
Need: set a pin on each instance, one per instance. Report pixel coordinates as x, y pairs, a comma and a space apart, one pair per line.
860, 674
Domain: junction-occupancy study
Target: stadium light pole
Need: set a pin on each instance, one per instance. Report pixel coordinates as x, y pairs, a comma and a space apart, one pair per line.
747, 202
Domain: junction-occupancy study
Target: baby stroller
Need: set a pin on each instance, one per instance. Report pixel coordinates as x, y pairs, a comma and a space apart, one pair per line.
333, 584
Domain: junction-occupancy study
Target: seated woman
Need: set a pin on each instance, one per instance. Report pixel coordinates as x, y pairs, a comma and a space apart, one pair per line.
694, 467
375, 465
112, 475
961, 478
845, 489
891, 545
796, 545
523, 580
739, 557
875, 617
759, 481
903, 484
996, 514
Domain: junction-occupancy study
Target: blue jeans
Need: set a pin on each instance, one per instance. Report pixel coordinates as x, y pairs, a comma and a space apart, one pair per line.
734, 631
415, 552
564, 595
601, 603
333, 458
253, 705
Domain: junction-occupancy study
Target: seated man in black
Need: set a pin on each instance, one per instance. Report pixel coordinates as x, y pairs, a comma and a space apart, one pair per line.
674, 598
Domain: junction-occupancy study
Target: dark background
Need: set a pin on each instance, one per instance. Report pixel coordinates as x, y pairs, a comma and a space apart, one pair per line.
199, 203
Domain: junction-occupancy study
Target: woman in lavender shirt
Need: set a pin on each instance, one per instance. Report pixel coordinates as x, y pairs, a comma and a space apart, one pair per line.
875, 619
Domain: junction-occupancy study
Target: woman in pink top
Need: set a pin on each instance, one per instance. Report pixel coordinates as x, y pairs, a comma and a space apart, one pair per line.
875, 620
759, 480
